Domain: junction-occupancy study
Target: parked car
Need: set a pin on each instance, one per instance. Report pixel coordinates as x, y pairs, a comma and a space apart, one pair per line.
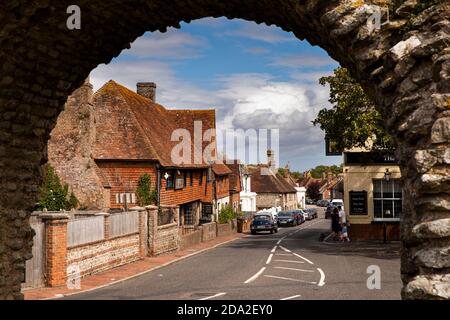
299, 216
309, 201
287, 219
323, 203
337, 203
312, 213
263, 222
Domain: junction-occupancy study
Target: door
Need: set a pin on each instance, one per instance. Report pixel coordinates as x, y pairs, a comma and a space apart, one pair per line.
34, 268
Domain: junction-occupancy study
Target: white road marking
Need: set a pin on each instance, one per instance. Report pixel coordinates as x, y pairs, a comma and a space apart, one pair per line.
290, 261
214, 296
279, 241
284, 249
289, 279
294, 269
269, 259
290, 298
255, 276
297, 255
322, 277
283, 254
274, 249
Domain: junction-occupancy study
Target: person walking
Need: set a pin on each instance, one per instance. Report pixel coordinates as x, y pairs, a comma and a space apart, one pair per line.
335, 224
342, 216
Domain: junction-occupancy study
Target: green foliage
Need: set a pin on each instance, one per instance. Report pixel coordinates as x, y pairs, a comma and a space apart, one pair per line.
294, 174
73, 201
318, 171
54, 196
145, 196
313, 191
227, 214
353, 120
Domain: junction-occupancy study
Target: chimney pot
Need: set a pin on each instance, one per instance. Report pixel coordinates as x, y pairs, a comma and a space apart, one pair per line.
147, 90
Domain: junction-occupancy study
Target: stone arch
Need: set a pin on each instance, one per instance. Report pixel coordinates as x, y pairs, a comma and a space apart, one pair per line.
404, 66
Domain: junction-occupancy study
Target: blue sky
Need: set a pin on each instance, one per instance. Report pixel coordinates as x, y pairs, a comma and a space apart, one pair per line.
255, 76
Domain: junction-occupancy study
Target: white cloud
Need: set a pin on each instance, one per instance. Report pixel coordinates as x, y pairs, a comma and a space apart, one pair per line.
303, 60
171, 91
257, 50
260, 32
173, 44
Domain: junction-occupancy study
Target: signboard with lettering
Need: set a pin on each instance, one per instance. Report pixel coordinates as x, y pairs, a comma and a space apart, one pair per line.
358, 203
369, 158
179, 183
331, 149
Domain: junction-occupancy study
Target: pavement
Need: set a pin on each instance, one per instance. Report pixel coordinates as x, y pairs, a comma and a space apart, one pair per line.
290, 265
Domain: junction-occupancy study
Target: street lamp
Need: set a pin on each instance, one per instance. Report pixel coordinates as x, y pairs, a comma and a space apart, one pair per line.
387, 175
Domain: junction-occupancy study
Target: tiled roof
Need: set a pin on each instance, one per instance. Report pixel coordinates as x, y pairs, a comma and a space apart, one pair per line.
220, 169
268, 183
132, 127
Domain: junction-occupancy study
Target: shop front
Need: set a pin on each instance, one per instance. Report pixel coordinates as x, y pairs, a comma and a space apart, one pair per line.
373, 197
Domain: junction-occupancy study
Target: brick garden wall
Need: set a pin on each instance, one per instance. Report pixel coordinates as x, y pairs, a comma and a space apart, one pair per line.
167, 239
224, 229
104, 255
209, 231
191, 239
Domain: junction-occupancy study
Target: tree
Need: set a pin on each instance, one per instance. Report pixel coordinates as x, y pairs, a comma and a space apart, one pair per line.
313, 191
54, 196
226, 214
145, 196
353, 120
318, 171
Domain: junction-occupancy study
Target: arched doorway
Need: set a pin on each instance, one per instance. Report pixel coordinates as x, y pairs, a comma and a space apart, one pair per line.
404, 65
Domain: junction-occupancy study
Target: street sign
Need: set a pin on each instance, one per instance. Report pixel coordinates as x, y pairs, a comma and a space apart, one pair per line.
358, 203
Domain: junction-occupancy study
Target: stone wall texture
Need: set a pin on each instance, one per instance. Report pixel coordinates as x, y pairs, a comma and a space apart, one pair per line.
404, 67
103, 255
209, 231
70, 149
167, 239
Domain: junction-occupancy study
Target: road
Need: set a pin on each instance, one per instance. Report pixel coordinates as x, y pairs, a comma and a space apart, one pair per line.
292, 264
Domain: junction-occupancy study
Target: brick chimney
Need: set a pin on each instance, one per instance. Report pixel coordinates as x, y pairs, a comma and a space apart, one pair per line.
147, 90
271, 159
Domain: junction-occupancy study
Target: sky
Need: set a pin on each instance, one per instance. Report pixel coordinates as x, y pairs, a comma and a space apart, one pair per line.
255, 76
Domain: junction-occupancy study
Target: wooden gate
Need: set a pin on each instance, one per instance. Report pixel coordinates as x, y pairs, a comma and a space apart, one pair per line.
34, 274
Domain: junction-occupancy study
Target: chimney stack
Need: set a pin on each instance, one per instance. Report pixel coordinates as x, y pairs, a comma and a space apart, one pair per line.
147, 90
271, 159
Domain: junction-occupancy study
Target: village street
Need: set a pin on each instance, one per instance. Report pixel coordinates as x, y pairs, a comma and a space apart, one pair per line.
292, 264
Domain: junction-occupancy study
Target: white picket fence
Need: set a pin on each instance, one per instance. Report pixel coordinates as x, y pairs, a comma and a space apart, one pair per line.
85, 230
123, 223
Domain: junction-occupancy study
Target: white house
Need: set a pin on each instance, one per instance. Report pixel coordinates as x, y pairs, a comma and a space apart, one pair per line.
248, 198
301, 196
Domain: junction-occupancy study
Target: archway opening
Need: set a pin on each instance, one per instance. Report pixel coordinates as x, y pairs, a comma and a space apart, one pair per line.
402, 66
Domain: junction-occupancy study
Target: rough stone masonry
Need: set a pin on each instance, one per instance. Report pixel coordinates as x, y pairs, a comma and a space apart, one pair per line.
404, 66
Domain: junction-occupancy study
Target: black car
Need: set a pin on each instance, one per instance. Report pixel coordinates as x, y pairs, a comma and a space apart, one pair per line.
263, 222
287, 219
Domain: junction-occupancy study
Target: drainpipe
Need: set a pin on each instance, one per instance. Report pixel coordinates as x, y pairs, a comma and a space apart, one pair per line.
158, 186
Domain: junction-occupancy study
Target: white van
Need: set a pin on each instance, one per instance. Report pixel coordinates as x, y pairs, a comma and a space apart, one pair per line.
337, 203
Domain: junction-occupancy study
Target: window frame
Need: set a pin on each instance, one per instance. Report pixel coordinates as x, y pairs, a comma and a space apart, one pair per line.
383, 199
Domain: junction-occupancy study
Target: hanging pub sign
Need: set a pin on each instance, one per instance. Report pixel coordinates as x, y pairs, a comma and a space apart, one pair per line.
358, 203
331, 147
